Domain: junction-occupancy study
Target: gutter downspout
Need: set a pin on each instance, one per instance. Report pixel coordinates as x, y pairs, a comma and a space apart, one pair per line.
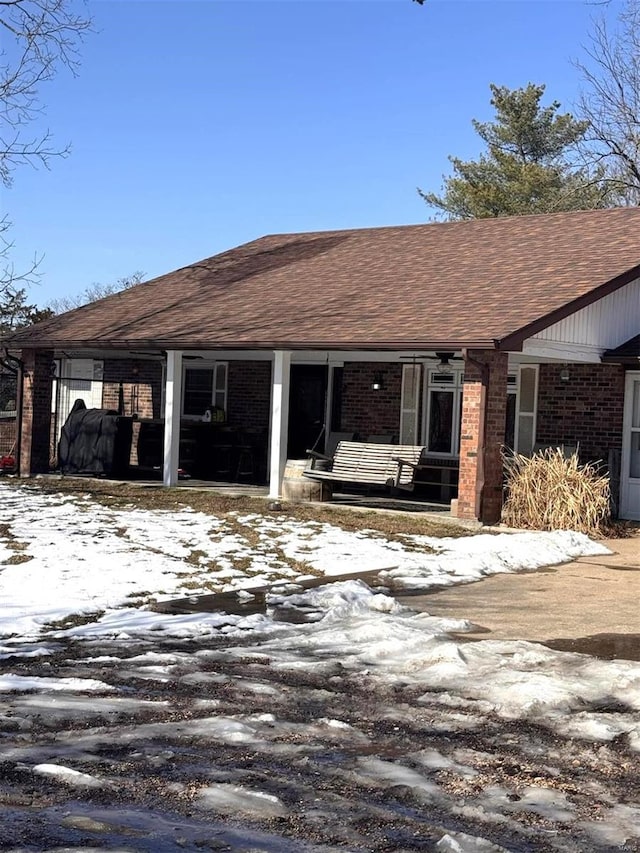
18, 368
484, 379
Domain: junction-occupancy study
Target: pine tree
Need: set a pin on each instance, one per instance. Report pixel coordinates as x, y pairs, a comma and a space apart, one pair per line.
528, 167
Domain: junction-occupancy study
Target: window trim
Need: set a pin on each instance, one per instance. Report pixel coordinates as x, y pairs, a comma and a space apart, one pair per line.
532, 414
205, 364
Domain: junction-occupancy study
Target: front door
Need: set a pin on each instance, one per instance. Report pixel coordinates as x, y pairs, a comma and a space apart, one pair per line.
630, 468
307, 406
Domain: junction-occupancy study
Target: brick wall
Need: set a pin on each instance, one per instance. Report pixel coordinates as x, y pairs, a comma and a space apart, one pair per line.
587, 410
364, 410
249, 394
483, 424
36, 412
141, 386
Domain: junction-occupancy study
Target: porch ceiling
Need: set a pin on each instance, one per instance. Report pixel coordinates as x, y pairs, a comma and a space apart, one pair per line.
478, 284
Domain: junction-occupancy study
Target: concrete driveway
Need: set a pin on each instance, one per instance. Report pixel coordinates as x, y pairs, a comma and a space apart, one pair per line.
591, 605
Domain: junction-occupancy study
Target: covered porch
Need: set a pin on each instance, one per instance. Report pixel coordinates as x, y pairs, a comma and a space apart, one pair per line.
220, 416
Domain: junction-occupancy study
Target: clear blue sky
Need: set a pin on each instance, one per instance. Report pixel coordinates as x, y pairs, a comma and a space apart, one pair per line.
196, 126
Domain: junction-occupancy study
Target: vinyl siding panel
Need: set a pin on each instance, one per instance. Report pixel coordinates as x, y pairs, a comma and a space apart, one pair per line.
604, 324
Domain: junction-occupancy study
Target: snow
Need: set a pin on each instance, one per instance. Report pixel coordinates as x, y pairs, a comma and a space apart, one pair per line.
68, 775
91, 572
10, 681
232, 799
89, 559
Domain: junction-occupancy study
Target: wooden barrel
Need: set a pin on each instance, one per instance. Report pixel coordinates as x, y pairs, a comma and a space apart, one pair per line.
297, 487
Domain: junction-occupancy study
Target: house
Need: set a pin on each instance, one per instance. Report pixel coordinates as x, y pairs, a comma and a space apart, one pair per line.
461, 336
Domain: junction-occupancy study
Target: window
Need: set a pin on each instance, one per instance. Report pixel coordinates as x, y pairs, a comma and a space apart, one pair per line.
443, 404
512, 399
526, 405
522, 405
204, 387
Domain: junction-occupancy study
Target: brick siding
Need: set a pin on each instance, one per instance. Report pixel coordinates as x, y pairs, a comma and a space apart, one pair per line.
36, 412
249, 394
587, 410
369, 412
483, 424
141, 386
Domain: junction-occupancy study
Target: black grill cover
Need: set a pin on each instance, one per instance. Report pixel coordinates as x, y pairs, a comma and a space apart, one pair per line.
95, 441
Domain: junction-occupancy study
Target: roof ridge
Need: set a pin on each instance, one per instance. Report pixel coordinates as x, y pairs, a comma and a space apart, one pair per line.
600, 211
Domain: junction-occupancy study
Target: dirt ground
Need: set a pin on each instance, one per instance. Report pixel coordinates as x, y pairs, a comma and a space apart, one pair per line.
155, 741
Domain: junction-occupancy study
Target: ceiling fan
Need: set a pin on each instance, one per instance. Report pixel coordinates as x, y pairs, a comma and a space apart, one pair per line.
443, 357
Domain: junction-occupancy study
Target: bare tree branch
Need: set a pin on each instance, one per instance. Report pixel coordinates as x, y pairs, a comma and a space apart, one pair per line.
610, 100
37, 39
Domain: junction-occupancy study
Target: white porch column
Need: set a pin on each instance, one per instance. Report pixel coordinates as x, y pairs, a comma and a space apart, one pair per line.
279, 420
172, 402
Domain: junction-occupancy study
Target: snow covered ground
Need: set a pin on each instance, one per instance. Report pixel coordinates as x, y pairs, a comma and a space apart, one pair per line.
334, 720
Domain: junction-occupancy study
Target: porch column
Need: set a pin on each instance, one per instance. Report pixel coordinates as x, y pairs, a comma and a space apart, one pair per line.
279, 420
484, 408
172, 405
36, 439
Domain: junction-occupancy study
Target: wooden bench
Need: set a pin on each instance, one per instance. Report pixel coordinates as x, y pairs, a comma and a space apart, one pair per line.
444, 466
392, 465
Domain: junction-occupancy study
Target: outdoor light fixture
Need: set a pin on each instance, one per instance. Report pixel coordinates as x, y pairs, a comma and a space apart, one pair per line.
565, 376
377, 384
444, 366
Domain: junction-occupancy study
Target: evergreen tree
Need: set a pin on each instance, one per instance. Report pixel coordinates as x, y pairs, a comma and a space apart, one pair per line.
528, 167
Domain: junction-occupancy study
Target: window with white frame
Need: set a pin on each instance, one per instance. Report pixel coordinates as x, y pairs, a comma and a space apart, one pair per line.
526, 408
204, 387
522, 409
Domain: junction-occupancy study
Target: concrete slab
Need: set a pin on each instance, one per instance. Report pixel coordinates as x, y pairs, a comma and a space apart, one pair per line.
590, 596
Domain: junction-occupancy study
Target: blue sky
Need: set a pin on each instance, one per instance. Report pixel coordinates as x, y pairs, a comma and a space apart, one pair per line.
196, 126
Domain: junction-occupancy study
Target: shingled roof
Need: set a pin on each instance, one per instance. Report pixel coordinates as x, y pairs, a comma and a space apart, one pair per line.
482, 283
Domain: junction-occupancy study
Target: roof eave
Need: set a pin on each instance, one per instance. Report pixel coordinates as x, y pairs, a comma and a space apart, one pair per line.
168, 344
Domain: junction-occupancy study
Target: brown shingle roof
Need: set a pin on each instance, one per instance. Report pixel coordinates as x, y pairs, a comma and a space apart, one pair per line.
445, 285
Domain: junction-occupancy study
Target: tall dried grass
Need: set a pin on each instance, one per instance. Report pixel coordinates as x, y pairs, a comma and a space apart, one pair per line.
551, 491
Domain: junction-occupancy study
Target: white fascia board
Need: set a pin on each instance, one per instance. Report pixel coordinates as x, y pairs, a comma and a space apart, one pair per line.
556, 351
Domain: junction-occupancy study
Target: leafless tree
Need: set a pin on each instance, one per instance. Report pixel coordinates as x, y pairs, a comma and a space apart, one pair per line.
37, 39
95, 291
610, 100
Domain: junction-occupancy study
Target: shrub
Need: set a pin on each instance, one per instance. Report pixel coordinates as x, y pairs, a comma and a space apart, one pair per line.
551, 491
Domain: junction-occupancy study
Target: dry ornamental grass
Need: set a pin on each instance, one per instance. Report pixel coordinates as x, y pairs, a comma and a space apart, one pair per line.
550, 491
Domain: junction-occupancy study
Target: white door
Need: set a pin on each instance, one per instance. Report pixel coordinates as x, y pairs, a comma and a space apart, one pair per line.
630, 467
